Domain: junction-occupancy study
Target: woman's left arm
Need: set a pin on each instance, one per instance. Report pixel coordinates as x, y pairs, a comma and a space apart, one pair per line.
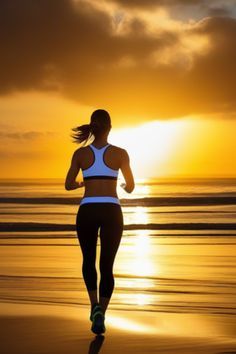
70, 182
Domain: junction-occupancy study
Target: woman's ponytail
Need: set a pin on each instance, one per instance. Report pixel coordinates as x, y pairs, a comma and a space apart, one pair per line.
82, 133
100, 123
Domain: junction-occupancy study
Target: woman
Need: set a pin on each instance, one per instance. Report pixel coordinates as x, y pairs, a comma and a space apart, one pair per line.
99, 207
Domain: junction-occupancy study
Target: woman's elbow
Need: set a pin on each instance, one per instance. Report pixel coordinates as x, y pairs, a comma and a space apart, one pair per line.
67, 187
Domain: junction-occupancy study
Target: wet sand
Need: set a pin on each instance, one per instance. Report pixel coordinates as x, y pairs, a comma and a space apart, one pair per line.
173, 294
31, 329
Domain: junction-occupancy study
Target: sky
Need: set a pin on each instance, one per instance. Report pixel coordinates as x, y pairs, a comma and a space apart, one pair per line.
164, 69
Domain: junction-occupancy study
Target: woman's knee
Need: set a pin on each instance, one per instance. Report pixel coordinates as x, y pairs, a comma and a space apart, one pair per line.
106, 266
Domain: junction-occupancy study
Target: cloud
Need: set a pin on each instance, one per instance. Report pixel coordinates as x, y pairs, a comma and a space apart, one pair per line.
20, 155
78, 50
218, 11
214, 74
217, 5
158, 3
30, 135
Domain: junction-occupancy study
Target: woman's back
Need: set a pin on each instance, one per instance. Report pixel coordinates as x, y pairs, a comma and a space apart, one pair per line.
100, 166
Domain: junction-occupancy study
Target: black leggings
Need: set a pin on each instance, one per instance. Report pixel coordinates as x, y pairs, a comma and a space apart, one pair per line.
109, 217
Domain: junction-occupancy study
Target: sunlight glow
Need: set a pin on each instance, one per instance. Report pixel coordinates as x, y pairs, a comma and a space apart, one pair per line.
141, 283
142, 189
142, 299
140, 215
141, 264
150, 145
129, 325
142, 246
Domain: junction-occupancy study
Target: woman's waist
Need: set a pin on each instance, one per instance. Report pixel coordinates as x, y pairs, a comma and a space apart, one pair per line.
100, 190
100, 187
100, 199
108, 193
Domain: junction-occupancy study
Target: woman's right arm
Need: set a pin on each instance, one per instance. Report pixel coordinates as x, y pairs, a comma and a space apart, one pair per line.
129, 184
70, 182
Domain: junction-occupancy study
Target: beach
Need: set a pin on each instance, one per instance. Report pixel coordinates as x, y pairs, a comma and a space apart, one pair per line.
175, 272
51, 329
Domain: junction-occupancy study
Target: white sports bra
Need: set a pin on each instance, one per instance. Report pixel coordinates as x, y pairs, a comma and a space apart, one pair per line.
99, 169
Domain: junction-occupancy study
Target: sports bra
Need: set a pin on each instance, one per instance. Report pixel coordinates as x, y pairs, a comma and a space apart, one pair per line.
99, 169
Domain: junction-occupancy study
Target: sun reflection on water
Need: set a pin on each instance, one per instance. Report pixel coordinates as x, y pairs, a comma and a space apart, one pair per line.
141, 267
129, 325
142, 190
140, 215
141, 264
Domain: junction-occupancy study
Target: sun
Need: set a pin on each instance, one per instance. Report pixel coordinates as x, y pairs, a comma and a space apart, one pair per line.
150, 145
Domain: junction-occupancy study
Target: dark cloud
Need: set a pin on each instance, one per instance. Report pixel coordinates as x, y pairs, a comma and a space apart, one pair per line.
30, 135
45, 41
57, 45
157, 3
40, 38
218, 11
214, 75
207, 4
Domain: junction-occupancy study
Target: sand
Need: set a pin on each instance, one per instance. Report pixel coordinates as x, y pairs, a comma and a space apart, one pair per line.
30, 329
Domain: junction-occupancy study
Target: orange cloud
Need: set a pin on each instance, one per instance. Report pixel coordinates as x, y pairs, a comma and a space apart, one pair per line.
75, 49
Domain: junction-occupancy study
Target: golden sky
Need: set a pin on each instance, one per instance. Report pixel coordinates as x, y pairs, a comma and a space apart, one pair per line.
164, 69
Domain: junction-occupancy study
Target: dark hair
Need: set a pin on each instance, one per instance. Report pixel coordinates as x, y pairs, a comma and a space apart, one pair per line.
100, 122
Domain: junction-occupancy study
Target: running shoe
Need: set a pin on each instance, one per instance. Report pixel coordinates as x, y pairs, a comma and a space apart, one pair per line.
97, 317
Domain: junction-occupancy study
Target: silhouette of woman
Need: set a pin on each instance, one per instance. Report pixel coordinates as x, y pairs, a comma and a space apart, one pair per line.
99, 207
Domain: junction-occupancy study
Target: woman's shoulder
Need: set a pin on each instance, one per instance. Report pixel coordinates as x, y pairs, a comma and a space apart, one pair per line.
81, 151
84, 150
118, 149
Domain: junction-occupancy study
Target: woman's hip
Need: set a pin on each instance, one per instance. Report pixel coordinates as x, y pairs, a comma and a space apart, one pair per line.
99, 213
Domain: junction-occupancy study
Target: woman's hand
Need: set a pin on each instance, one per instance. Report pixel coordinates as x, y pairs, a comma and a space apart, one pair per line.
123, 185
74, 185
80, 184
127, 188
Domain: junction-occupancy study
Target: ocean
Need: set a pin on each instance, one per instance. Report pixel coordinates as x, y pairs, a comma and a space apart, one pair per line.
177, 253
166, 204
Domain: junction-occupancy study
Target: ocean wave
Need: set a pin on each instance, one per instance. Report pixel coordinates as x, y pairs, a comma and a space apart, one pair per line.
198, 199
34, 226
63, 291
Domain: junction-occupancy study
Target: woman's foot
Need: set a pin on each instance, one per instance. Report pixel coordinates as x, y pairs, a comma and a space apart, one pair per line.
97, 317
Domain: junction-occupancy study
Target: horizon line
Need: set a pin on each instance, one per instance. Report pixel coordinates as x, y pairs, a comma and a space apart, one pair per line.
141, 178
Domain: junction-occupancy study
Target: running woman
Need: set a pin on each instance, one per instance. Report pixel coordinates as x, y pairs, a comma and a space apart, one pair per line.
100, 208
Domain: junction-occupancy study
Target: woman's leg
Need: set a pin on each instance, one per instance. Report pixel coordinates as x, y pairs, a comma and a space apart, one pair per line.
110, 236
87, 233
